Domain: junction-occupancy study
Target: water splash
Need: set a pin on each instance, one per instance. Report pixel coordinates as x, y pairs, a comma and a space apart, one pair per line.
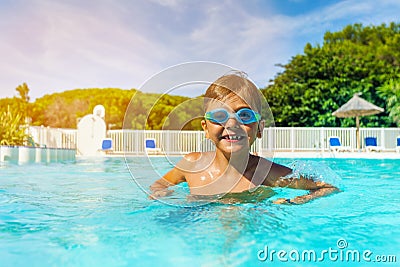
316, 171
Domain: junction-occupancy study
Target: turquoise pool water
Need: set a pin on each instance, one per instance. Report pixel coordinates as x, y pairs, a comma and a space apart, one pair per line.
91, 213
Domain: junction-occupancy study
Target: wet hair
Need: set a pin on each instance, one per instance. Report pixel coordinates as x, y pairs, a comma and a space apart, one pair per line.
234, 85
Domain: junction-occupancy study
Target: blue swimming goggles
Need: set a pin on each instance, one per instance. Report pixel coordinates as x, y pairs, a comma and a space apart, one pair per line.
244, 116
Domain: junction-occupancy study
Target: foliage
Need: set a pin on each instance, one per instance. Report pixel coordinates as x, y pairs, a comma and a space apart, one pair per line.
390, 91
23, 91
13, 118
316, 83
8, 104
18, 104
12, 128
62, 110
156, 112
128, 109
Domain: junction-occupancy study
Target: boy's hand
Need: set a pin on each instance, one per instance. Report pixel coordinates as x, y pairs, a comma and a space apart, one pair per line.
285, 201
308, 197
160, 193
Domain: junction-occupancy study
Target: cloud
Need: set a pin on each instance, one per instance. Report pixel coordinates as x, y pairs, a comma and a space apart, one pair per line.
60, 45
66, 46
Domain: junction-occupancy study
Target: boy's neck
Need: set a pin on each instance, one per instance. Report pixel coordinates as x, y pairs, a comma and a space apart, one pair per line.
237, 160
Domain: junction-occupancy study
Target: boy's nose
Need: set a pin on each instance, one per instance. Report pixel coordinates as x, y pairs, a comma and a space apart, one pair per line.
232, 122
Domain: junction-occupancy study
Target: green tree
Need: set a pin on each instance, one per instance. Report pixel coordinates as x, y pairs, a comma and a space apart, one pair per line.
316, 83
156, 112
22, 101
12, 128
390, 91
23, 91
13, 118
63, 110
129, 109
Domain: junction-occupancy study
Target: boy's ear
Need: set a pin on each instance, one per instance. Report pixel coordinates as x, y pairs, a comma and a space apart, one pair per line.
260, 129
204, 126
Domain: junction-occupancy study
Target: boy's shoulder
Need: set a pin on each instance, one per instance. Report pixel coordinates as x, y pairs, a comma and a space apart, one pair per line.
192, 156
266, 172
266, 162
195, 156
260, 160
194, 161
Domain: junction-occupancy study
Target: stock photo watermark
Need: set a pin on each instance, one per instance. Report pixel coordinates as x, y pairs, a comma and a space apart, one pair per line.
340, 253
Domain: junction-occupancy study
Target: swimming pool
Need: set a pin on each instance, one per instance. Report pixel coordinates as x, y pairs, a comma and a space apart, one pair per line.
91, 213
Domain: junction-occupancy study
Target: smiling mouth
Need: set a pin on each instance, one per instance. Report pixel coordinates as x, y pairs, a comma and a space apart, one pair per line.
231, 137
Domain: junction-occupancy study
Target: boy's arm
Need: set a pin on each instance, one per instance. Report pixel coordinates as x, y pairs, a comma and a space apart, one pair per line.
160, 187
175, 176
313, 194
316, 189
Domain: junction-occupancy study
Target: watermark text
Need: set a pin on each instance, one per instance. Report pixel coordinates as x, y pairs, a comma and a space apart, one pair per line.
340, 253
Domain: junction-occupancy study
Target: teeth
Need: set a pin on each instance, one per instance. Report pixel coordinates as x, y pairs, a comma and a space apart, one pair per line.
234, 137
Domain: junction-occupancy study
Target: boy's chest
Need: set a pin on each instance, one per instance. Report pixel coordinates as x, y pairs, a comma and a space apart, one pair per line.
208, 183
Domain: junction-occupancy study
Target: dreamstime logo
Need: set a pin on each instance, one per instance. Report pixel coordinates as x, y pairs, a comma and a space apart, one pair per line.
148, 111
340, 253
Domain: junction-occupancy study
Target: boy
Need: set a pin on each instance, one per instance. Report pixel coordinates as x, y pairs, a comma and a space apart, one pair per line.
233, 122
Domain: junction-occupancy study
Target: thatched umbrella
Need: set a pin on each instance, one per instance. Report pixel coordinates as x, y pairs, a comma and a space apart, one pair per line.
357, 107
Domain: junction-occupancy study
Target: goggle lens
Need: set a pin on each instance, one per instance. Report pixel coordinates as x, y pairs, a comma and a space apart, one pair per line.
244, 115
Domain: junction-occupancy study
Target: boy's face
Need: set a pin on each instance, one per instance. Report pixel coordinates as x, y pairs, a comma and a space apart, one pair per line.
232, 136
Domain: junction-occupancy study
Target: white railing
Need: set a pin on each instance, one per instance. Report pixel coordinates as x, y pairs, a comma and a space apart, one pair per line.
181, 142
53, 137
317, 139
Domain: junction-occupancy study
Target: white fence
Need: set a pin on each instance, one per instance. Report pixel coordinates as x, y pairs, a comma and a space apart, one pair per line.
53, 137
181, 142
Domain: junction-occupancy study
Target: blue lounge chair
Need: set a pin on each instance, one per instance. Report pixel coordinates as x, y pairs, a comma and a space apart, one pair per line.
371, 144
336, 146
107, 145
151, 147
398, 144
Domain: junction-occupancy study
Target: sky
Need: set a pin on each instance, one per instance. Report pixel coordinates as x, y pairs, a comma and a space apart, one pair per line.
59, 45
